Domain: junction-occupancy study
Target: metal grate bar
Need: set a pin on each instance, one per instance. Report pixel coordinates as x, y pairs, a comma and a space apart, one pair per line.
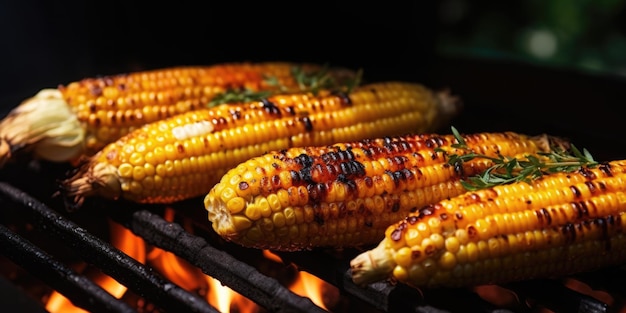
79, 289
110, 260
239, 276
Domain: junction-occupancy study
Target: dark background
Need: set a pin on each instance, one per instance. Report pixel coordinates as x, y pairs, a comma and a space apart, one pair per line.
46, 43
51, 42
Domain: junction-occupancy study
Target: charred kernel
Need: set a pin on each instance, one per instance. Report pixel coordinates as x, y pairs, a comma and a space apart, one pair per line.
243, 185
396, 235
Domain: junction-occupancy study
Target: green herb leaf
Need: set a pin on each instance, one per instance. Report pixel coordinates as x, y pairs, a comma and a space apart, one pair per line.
508, 169
237, 96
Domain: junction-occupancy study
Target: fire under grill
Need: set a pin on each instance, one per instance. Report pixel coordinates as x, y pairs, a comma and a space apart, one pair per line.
46, 226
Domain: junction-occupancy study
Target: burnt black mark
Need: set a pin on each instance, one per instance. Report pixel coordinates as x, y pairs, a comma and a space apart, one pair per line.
576, 191
308, 124
304, 160
603, 224
395, 207
459, 170
412, 219
275, 180
606, 169
236, 114
317, 192
396, 234
434, 142
587, 173
296, 179
544, 216
95, 90
427, 211
343, 97
581, 209
271, 108
243, 185
352, 169
569, 231
318, 218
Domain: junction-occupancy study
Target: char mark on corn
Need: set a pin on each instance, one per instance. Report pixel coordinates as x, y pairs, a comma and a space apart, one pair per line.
186, 155
556, 225
79, 118
345, 194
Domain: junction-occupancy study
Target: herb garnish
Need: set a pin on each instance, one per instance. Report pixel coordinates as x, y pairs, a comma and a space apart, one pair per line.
314, 81
238, 95
510, 169
311, 81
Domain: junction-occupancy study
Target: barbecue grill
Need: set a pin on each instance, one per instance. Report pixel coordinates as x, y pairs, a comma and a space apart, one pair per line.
40, 239
41, 243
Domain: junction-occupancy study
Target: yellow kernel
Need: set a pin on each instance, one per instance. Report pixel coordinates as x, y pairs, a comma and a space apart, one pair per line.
136, 159
447, 260
461, 255
423, 228
240, 222
138, 173
235, 205
125, 170
428, 247
483, 249
253, 234
472, 252
400, 273
494, 247
274, 202
253, 212
412, 237
158, 182
462, 235
452, 244
226, 194
290, 216
435, 225
279, 219
417, 274
149, 158
264, 207
149, 169
135, 188
403, 256
148, 183
438, 241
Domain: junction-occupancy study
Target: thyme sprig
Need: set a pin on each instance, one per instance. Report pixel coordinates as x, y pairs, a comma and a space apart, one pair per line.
314, 81
308, 81
508, 169
238, 95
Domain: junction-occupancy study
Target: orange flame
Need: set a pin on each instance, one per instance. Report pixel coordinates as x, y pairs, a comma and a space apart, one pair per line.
124, 240
191, 278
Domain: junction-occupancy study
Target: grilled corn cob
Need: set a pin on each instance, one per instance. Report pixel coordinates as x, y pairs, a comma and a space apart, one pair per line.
184, 156
346, 194
558, 224
81, 117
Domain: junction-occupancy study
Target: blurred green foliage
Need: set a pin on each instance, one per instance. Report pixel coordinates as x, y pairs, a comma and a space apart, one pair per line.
589, 35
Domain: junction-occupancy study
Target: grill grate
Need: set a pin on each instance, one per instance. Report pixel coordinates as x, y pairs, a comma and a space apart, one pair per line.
238, 275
